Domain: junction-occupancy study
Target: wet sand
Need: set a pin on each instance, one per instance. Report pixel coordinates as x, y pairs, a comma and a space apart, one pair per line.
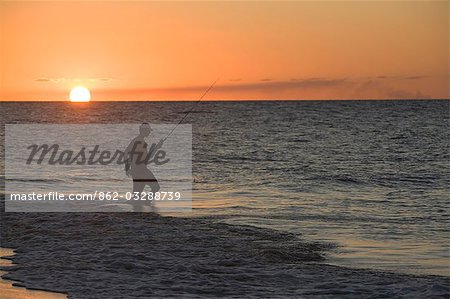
10, 290
129, 255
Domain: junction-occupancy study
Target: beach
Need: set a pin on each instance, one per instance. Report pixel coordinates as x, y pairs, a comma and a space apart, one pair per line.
129, 255
233, 149
11, 290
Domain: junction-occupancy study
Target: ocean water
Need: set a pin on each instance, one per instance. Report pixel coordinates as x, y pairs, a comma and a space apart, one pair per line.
371, 177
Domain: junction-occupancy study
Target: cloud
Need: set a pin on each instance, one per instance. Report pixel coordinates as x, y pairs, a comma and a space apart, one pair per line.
268, 85
306, 88
100, 79
42, 80
302, 88
382, 90
415, 77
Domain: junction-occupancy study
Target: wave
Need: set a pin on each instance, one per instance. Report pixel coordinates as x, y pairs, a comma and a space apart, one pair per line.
339, 178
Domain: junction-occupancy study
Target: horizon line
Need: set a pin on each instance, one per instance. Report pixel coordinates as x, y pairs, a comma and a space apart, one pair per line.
234, 100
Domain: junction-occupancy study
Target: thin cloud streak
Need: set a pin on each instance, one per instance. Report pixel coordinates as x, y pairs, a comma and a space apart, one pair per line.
264, 85
331, 88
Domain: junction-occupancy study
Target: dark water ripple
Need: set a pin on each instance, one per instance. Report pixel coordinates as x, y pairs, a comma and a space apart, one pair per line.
342, 170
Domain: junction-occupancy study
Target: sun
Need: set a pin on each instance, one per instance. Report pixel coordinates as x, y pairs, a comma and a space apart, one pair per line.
80, 94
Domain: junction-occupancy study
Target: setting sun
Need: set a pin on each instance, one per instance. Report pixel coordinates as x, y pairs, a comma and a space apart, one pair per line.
80, 94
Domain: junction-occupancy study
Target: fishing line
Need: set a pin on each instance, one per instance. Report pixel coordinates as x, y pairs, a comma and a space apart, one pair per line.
192, 108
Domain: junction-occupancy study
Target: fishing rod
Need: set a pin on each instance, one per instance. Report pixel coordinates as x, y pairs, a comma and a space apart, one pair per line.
192, 108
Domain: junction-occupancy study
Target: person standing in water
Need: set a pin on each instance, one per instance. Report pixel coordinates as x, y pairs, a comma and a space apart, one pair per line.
136, 155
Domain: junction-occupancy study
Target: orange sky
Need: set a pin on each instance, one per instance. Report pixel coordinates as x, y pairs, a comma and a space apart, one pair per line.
261, 50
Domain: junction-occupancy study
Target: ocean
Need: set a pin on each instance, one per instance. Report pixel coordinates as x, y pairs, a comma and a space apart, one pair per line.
371, 177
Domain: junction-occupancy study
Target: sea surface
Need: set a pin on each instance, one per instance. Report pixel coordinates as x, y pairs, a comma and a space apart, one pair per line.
371, 177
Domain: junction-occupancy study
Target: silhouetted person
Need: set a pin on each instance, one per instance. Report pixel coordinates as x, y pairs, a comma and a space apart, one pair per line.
136, 166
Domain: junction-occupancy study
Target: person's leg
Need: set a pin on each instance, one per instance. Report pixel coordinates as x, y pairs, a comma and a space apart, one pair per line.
154, 187
137, 204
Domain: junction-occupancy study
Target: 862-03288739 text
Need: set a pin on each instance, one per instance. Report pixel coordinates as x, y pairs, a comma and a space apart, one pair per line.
97, 195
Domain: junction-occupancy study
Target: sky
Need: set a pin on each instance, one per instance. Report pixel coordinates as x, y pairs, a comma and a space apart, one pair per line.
142, 50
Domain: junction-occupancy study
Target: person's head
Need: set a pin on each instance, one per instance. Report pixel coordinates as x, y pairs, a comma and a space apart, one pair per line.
145, 129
